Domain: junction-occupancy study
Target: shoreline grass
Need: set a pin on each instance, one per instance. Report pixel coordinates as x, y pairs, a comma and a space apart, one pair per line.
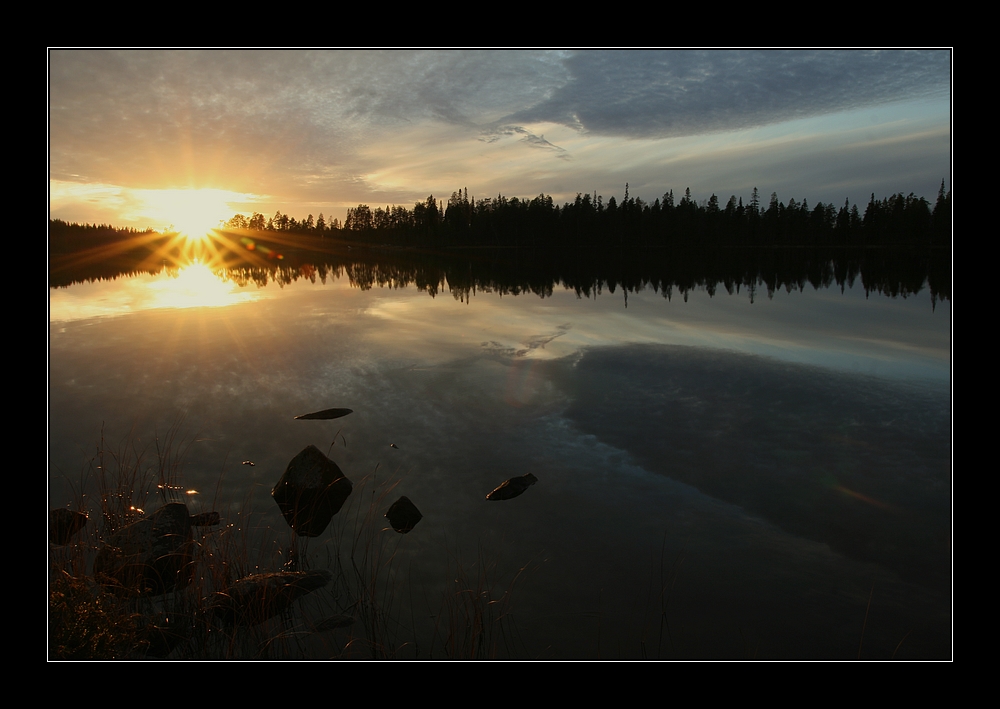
356, 613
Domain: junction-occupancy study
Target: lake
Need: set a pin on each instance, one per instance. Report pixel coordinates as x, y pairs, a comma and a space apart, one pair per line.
719, 475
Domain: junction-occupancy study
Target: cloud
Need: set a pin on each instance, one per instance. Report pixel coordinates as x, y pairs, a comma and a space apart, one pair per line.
528, 138
217, 113
656, 94
350, 126
225, 109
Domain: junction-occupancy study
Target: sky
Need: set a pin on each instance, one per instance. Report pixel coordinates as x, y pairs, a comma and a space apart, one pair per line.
158, 138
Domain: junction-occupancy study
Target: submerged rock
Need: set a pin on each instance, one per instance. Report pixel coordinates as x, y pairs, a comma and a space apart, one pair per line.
326, 414
63, 524
403, 515
205, 519
513, 487
311, 491
255, 599
333, 623
164, 633
154, 555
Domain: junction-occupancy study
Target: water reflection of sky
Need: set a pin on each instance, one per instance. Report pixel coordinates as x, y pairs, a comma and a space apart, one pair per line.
734, 439
872, 334
875, 335
194, 286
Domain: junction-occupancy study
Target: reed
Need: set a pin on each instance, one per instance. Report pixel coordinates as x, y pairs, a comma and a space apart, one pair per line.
476, 621
357, 615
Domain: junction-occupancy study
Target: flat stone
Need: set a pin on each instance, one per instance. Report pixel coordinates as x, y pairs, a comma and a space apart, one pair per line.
326, 414
151, 556
512, 488
334, 622
257, 598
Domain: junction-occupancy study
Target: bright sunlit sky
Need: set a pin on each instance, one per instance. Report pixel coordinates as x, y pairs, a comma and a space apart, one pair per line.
157, 138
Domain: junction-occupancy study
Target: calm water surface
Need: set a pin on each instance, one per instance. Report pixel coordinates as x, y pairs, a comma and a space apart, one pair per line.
717, 478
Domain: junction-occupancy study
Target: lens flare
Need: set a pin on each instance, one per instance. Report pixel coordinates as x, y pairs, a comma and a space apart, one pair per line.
194, 212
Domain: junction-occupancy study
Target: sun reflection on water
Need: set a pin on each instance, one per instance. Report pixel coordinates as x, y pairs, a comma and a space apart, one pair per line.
191, 286
194, 286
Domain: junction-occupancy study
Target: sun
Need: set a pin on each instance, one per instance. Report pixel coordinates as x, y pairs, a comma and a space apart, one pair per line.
192, 212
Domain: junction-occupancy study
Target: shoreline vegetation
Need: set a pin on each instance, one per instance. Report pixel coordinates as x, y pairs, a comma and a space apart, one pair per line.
900, 246
589, 221
141, 578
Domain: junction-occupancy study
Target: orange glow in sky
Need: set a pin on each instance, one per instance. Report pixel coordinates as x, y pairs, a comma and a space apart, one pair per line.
191, 212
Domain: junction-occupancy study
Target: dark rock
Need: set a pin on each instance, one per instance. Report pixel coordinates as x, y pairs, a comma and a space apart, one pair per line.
311, 492
153, 555
63, 524
513, 487
205, 519
333, 623
164, 634
326, 414
403, 515
255, 599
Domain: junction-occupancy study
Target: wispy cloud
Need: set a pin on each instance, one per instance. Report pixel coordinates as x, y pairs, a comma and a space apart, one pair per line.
680, 92
492, 135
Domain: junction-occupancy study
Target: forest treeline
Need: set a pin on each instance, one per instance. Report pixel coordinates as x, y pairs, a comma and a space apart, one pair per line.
590, 221
66, 237
893, 246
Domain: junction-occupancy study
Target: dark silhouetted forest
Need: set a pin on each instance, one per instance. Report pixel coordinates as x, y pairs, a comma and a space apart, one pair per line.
590, 221
510, 246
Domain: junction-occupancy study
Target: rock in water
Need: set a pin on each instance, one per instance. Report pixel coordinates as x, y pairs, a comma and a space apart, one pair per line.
164, 633
63, 524
403, 515
326, 414
333, 623
513, 487
205, 519
311, 492
154, 555
255, 599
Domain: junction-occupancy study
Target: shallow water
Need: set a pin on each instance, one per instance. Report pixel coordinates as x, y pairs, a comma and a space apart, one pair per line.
717, 478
